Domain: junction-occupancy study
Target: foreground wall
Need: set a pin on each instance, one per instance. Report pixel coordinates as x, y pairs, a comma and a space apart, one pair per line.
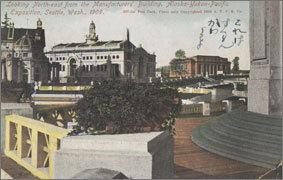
138, 156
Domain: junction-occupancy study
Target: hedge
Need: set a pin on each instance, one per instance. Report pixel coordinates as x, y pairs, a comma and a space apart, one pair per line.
126, 107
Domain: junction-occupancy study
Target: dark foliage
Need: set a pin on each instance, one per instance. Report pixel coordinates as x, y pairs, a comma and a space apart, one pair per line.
7, 86
127, 106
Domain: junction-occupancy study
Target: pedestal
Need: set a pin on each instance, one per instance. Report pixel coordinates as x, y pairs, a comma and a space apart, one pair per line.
265, 84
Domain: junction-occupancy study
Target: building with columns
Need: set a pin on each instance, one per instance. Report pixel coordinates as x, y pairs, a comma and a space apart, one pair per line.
199, 66
100, 60
23, 59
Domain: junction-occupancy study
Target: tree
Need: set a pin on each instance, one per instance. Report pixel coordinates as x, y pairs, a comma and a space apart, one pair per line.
165, 70
117, 107
180, 53
6, 22
236, 64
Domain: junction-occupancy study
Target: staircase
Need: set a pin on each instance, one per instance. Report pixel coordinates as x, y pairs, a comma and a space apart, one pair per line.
244, 136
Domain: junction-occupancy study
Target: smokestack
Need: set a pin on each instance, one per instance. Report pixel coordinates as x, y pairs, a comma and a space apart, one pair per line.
128, 34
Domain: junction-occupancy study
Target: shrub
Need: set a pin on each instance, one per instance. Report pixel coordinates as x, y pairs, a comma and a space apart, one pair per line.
7, 86
127, 106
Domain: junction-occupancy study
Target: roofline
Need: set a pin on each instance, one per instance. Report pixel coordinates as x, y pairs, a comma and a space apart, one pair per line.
83, 50
208, 56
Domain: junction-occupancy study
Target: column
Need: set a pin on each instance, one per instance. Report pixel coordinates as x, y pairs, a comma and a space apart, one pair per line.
265, 88
208, 69
31, 73
29, 76
53, 74
9, 70
2, 70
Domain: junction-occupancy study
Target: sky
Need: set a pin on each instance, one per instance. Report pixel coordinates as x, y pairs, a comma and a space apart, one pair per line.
158, 29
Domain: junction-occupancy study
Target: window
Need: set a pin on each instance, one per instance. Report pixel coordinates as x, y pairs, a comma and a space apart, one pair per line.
87, 58
60, 58
87, 68
57, 59
97, 68
25, 54
63, 58
63, 67
83, 58
90, 57
51, 59
105, 57
105, 67
60, 67
101, 57
16, 55
83, 67
117, 57
113, 56
97, 57
90, 67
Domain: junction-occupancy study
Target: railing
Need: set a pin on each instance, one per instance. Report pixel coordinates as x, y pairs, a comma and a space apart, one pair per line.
58, 115
192, 109
218, 107
194, 90
63, 88
31, 144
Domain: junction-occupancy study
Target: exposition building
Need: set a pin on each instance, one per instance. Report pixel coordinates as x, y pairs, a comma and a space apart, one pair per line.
199, 66
22, 56
101, 60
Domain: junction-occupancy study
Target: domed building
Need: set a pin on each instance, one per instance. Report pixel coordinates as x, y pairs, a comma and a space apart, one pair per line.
96, 59
23, 59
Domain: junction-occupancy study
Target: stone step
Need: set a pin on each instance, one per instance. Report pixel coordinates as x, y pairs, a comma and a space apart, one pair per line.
256, 146
230, 152
242, 136
239, 147
254, 117
253, 127
250, 136
244, 119
238, 130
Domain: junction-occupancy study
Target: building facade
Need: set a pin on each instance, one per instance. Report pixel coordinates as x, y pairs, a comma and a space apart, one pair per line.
23, 59
199, 66
100, 60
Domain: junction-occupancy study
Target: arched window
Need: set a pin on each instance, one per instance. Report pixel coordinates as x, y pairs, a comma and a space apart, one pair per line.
72, 67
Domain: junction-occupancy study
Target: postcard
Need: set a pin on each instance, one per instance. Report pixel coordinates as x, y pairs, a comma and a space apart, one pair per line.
141, 89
